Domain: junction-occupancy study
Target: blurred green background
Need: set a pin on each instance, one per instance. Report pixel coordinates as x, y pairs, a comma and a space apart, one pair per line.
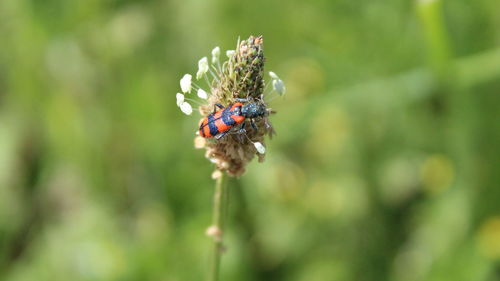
385, 166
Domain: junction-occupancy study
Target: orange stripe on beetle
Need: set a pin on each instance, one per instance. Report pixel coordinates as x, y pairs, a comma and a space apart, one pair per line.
222, 121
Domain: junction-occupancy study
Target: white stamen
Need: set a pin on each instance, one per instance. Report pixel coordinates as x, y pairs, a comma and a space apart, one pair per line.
260, 148
186, 83
186, 108
273, 75
202, 94
215, 55
180, 98
230, 53
202, 68
279, 86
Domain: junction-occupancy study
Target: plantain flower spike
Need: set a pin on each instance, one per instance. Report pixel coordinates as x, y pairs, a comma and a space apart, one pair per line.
238, 78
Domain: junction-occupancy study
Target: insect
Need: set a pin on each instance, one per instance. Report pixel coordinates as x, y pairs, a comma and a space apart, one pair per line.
220, 123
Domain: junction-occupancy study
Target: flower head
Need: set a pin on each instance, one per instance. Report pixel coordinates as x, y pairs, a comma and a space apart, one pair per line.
241, 76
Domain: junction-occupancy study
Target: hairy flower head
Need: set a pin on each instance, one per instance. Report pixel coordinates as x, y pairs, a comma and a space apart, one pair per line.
239, 78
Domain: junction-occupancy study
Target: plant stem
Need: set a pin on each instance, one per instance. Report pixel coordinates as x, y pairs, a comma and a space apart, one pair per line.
220, 205
436, 36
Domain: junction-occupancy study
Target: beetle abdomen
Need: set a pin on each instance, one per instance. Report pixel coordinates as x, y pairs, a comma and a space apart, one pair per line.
220, 121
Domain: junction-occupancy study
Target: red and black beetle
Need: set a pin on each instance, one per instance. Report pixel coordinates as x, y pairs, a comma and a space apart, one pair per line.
219, 123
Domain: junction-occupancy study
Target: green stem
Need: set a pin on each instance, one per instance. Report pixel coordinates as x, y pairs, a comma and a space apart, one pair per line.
436, 37
220, 204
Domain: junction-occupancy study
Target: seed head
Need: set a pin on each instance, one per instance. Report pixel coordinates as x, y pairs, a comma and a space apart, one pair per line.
240, 77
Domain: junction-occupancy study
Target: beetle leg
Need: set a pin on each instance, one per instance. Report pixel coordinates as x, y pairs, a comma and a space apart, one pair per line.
242, 129
218, 105
221, 135
268, 125
241, 133
253, 124
241, 99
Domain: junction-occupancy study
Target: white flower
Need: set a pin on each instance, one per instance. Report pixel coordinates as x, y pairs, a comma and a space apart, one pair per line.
186, 83
279, 86
186, 108
215, 55
273, 75
230, 53
180, 99
202, 94
260, 148
202, 68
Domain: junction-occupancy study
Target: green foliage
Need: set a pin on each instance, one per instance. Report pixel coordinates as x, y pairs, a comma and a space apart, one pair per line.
384, 167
